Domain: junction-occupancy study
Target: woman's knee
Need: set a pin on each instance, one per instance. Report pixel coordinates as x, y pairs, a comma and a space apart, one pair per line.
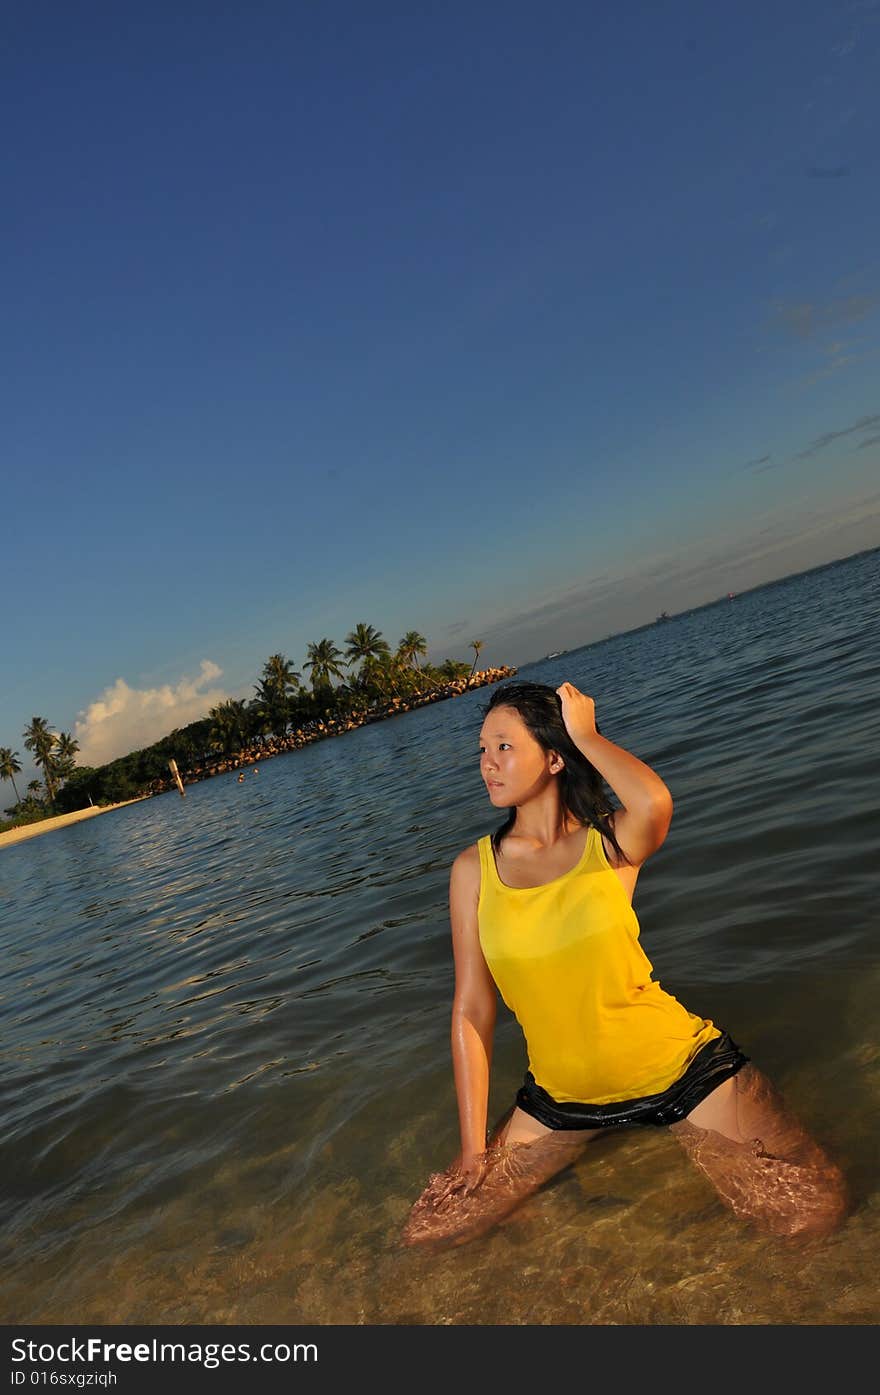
761, 1160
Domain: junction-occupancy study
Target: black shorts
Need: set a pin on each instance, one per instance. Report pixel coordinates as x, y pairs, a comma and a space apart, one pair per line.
715, 1062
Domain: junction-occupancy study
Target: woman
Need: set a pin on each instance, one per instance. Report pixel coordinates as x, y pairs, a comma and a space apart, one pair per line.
541, 911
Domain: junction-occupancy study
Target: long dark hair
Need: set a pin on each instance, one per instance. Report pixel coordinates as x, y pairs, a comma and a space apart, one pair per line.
581, 788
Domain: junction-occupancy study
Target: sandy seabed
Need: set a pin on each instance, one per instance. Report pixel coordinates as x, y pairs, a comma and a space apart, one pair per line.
30, 830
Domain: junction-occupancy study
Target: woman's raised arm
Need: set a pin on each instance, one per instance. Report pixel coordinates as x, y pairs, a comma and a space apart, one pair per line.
641, 824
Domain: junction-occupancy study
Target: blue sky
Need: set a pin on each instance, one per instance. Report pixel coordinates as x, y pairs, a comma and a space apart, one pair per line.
496, 321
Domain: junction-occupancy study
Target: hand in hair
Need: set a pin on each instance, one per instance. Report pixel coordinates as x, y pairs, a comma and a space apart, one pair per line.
578, 712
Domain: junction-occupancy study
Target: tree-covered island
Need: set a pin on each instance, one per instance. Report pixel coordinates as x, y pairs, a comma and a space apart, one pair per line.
287, 711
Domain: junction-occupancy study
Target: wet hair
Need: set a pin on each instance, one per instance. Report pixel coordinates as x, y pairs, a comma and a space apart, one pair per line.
581, 788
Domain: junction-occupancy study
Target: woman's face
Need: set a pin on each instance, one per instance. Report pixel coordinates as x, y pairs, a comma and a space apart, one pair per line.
513, 765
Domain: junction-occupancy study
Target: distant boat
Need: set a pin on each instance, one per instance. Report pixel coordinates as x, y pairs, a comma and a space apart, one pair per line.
664, 615
554, 654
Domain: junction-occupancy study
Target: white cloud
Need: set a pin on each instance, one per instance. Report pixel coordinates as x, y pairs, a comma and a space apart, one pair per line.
127, 719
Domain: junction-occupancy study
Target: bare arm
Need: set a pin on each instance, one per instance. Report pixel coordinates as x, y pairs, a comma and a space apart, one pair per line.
474, 1009
642, 822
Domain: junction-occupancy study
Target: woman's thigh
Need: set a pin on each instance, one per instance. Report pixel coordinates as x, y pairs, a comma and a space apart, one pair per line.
518, 1127
720, 1111
760, 1158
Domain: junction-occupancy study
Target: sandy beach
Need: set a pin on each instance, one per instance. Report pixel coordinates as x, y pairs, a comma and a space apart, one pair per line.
30, 830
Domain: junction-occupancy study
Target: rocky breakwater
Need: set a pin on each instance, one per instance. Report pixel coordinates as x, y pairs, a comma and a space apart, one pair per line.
317, 730
453, 688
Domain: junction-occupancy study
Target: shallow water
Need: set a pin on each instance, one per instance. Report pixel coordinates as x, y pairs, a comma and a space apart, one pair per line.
225, 1067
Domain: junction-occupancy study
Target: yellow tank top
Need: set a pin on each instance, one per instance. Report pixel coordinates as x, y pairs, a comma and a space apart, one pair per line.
567, 961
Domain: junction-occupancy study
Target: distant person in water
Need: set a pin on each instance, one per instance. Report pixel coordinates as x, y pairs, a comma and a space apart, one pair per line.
241, 777
541, 911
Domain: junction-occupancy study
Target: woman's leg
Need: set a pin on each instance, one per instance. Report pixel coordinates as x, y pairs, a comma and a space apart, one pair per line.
521, 1155
761, 1160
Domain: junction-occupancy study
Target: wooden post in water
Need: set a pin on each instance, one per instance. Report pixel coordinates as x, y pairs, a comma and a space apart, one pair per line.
172, 766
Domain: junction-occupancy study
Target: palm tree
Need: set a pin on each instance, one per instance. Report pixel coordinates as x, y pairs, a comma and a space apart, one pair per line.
259, 719
365, 642
271, 708
229, 726
383, 675
32, 796
366, 645
39, 739
10, 766
33, 804
64, 758
476, 645
323, 660
279, 680
412, 645
280, 673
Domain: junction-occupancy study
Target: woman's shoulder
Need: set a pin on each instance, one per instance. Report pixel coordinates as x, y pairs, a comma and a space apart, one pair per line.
466, 874
468, 859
